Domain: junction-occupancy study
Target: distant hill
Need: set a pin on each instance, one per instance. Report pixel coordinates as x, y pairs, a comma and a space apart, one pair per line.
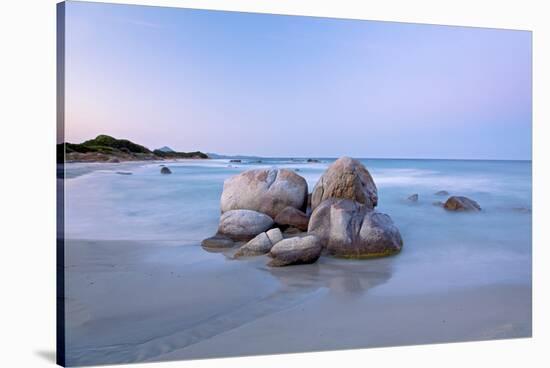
105, 148
219, 156
165, 149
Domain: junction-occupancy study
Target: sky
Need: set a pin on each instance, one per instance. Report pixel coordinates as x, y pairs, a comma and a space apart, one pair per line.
292, 86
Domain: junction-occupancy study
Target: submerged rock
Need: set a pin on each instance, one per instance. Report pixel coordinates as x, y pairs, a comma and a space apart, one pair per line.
236, 161
243, 224
346, 178
165, 170
297, 250
349, 229
291, 216
442, 193
261, 244
124, 173
459, 203
413, 198
218, 241
264, 190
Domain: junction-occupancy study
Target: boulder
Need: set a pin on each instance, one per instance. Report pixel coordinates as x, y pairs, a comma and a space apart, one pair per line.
243, 224
264, 190
293, 251
255, 247
442, 193
291, 216
218, 242
165, 170
346, 178
459, 203
261, 244
413, 198
352, 230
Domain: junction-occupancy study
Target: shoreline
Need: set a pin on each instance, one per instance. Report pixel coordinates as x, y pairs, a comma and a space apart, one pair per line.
164, 301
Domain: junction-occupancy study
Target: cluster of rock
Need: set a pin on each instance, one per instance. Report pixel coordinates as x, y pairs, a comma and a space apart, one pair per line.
453, 203
269, 211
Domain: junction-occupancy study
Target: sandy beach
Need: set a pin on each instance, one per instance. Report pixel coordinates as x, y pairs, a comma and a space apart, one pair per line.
138, 301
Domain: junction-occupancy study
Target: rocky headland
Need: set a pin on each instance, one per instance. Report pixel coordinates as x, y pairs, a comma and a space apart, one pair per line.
105, 148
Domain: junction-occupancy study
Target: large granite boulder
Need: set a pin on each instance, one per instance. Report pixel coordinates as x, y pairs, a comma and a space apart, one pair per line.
291, 216
261, 244
297, 250
352, 230
459, 203
243, 224
264, 190
346, 178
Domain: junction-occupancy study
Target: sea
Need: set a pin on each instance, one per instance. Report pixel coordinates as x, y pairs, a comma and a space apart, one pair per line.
442, 250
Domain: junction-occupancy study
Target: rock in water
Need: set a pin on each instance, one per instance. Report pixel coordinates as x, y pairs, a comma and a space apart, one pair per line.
346, 178
413, 198
218, 242
298, 250
257, 246
291, 216
165, 170
349, 229
264, 190
243, 224
459, 203
442, 193
261, 244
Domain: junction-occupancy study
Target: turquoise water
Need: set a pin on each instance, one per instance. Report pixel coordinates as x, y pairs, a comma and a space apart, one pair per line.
441, 250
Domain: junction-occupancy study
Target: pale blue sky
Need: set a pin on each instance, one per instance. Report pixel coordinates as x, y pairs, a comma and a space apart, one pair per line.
275, 85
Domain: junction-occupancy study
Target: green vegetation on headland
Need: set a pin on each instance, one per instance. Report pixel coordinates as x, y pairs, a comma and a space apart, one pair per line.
108, 149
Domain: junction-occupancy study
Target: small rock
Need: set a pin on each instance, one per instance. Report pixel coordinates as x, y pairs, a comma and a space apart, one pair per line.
291, 216
236, 161
114, 160
124, 173
459, 203
292, 231
413, 198
274, 235
442, 193
165, 170
521, 209
312, 160
218, 241
293, 251
261, 244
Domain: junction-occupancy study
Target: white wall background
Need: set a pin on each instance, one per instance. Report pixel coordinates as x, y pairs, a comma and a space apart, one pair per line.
27, 195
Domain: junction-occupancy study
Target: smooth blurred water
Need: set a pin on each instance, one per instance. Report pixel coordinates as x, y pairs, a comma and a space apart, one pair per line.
441, 249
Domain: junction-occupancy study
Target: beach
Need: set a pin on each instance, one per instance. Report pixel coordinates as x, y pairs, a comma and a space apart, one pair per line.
139, 287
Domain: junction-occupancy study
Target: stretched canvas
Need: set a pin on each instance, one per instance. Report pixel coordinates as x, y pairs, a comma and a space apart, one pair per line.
235, 184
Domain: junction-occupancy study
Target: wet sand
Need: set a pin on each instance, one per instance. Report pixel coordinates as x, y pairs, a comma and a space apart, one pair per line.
130, 301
